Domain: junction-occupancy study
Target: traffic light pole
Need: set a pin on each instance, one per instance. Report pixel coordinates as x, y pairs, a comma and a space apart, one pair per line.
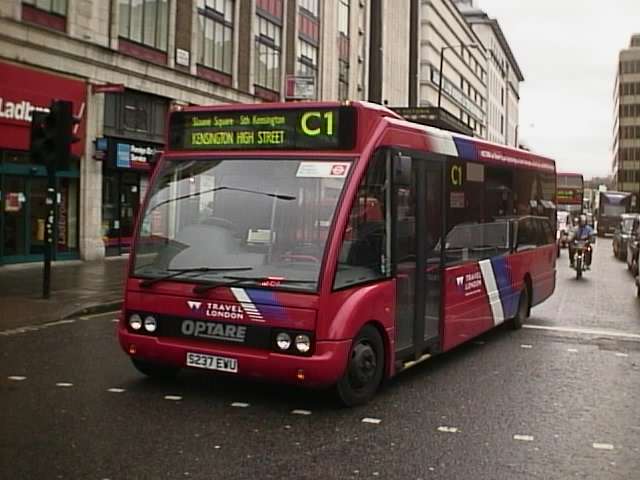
49, 229
52, 136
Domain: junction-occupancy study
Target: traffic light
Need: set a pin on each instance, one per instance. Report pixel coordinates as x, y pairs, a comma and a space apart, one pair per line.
52, 136
42, 145
64, 124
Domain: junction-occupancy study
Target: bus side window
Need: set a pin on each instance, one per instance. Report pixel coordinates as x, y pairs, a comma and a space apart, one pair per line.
548, 234
527, 235
363, 252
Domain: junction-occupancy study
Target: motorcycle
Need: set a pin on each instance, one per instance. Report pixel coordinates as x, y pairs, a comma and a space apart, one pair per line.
581, 247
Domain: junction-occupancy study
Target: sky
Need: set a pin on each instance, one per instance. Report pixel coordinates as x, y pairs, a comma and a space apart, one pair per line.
567, 51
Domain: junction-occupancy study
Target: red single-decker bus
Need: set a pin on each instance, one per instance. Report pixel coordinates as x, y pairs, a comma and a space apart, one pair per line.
327, 244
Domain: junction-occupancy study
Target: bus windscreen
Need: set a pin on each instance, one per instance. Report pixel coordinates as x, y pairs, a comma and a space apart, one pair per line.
285, 129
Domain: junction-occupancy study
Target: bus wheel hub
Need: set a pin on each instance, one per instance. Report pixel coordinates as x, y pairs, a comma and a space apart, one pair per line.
363, 364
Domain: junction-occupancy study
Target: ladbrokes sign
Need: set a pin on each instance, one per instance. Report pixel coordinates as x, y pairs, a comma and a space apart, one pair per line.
21, 111
23, 91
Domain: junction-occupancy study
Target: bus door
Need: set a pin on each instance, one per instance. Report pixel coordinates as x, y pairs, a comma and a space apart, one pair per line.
416, 226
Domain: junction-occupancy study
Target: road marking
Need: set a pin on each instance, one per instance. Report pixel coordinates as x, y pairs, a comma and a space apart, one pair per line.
623, 355
523, 438
586, 331
64, 384
116, 390
174, 398
603, 446
572, 350
115, 320
526, 346
375, 421
16, 378
94, 315
34, 328
448, 429
300, 412
240, 405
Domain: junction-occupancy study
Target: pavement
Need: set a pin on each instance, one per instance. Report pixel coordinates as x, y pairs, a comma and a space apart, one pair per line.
77, 288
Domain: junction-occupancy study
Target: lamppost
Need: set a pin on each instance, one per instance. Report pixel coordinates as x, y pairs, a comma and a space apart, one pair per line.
463, 45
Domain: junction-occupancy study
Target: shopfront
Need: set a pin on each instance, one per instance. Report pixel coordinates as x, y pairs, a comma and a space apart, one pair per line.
133, 135
23, 184
125, 176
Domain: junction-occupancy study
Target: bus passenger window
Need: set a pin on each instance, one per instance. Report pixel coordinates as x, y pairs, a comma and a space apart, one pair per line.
363, 253
527, 236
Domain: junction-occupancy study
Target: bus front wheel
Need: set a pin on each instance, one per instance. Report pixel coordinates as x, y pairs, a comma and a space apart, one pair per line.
155, 370
364, 370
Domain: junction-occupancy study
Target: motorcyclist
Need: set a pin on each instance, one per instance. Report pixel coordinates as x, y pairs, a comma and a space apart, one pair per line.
582, 232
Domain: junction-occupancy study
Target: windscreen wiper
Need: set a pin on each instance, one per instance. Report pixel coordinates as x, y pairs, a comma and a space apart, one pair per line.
176, 272
198, 289
279, 196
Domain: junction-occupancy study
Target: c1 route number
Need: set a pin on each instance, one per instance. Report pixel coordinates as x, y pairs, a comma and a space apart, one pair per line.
456, 175
310, 130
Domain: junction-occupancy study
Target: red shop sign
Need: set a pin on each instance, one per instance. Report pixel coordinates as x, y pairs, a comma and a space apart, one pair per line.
23, 90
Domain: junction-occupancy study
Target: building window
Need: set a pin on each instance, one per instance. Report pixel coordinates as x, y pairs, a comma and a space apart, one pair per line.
343, 17
307, 59
215, 34
268, 41
58, 7
310, 6
343, 48
501, 124
343, 80
145, 22
135, 115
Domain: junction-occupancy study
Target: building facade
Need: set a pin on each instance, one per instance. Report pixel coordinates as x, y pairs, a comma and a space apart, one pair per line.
444, 34
124, 64
503, 76
626, 125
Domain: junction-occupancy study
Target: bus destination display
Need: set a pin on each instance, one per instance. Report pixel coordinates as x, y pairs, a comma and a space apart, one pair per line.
287, 129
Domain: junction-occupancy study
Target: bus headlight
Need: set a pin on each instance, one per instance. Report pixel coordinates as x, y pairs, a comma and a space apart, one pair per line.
135, 321
303, 343
150, 324
283, 341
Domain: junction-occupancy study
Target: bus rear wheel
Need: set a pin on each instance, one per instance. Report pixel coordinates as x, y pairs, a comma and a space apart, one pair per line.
364, 370
523, 310
155, 370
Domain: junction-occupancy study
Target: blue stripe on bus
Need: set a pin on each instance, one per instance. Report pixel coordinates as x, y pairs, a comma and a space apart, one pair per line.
467, 149
267, 304
505, 286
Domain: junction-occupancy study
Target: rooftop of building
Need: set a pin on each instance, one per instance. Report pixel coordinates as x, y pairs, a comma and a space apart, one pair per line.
473, 14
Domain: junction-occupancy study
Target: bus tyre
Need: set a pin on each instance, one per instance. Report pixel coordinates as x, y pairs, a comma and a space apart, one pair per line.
364, 370
155, 370
523, 310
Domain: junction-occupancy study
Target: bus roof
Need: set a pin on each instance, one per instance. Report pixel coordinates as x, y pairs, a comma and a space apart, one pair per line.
478, 150
438, 141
